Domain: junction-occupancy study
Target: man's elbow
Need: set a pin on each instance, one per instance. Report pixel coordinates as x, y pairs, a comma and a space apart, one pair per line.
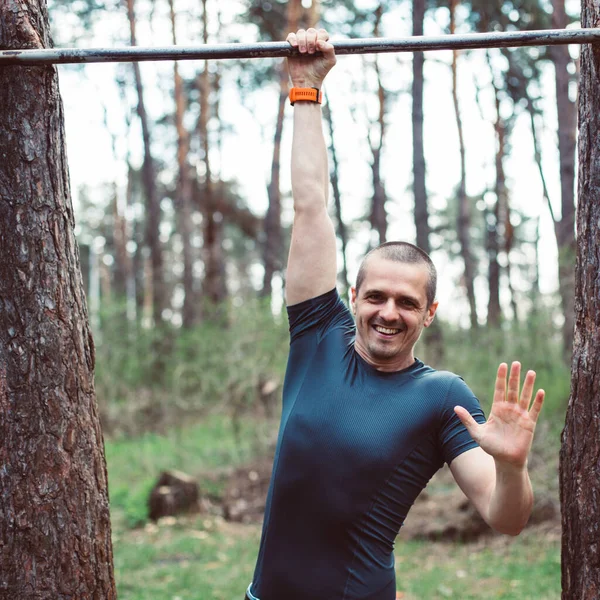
510, 526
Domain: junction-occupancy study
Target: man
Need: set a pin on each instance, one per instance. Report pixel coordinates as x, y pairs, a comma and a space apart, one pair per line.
364, 423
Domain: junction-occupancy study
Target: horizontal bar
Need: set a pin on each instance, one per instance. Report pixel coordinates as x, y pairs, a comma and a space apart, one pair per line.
547, 37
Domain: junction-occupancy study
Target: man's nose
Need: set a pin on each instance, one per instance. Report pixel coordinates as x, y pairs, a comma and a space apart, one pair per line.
389, 311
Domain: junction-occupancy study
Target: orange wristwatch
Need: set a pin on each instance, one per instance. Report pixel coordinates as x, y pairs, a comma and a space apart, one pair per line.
306, 94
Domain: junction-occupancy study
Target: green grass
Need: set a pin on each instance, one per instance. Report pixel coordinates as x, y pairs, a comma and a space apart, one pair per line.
205, 558
135, 464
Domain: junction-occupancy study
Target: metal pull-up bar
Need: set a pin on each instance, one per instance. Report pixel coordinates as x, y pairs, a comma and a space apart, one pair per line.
547, 37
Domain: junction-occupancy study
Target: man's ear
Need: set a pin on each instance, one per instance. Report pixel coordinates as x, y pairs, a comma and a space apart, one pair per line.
430, 314
353, 300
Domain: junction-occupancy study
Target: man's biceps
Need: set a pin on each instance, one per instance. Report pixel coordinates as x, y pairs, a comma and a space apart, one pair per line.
473, 471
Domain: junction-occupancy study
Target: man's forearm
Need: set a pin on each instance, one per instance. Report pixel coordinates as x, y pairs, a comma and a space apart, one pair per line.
511, 499
310, 172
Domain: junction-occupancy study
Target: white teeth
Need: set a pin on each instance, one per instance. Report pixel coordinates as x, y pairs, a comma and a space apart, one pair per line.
386, 330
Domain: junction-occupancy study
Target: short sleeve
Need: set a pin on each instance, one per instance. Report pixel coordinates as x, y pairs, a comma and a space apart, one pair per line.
454, 437
317, 315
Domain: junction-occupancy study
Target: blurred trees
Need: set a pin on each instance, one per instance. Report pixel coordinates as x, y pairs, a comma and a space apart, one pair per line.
218, 248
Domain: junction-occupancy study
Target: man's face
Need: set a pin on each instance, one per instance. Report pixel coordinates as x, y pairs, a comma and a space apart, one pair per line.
391, 311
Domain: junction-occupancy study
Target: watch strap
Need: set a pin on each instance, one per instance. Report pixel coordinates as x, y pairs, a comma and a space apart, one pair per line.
305, 95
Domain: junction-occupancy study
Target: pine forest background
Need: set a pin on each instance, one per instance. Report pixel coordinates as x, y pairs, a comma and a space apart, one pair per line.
180, 179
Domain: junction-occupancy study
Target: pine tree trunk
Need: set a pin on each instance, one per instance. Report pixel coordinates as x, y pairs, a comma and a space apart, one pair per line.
153, 213
565, 228
55, 537
183, 193
579, 466
420, 190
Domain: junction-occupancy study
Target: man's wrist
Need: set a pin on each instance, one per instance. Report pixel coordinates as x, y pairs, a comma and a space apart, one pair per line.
508, 469
305, 83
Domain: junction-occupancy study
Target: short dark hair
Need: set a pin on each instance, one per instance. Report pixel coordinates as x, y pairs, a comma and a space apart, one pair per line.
402, 252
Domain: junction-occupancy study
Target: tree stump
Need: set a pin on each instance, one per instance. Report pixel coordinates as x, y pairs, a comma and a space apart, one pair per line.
173, 494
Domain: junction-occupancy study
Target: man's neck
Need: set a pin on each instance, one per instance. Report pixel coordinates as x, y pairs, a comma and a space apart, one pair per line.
395, 363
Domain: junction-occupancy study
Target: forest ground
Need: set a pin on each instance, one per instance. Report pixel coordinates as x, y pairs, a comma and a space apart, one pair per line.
440, 553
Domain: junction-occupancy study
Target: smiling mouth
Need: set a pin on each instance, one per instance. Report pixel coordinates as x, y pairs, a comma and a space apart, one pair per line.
386, 330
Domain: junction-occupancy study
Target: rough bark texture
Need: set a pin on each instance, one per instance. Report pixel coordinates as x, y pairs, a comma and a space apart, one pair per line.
420, 191
565, 227
55, 539
580, 451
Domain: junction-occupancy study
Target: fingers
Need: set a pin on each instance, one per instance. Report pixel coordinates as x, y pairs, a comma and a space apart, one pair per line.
468, 421
527, 391
310, 40
536, 408
500, 387
514, 381
512, 395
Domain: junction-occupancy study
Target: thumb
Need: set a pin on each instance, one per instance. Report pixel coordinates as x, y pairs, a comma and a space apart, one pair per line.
468, 421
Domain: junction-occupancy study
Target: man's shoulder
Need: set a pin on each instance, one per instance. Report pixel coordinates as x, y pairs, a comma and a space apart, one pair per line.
430, 374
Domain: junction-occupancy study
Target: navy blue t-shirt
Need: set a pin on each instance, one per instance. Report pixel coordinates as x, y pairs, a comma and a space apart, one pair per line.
356, 446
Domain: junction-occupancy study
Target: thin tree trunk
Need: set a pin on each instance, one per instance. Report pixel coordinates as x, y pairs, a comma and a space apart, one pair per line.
494, 221
463, 223
434, 340
273, 245
215, 286
273, 249
420, 190
55, 535
183, 199
337, 197
153, 216
579, 467
565, 228
378, 212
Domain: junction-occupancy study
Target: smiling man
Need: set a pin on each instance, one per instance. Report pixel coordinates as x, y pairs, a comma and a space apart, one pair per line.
364, 423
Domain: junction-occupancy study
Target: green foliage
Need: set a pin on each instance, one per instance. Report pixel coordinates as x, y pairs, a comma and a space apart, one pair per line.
223, 362
535, 343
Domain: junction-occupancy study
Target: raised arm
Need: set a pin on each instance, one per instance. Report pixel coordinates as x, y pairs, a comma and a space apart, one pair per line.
494, 476
311, 268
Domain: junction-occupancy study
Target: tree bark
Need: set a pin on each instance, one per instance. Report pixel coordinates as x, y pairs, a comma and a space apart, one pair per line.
565, 227
420, 190
463, 223
153, 216
55, 536
579, 466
